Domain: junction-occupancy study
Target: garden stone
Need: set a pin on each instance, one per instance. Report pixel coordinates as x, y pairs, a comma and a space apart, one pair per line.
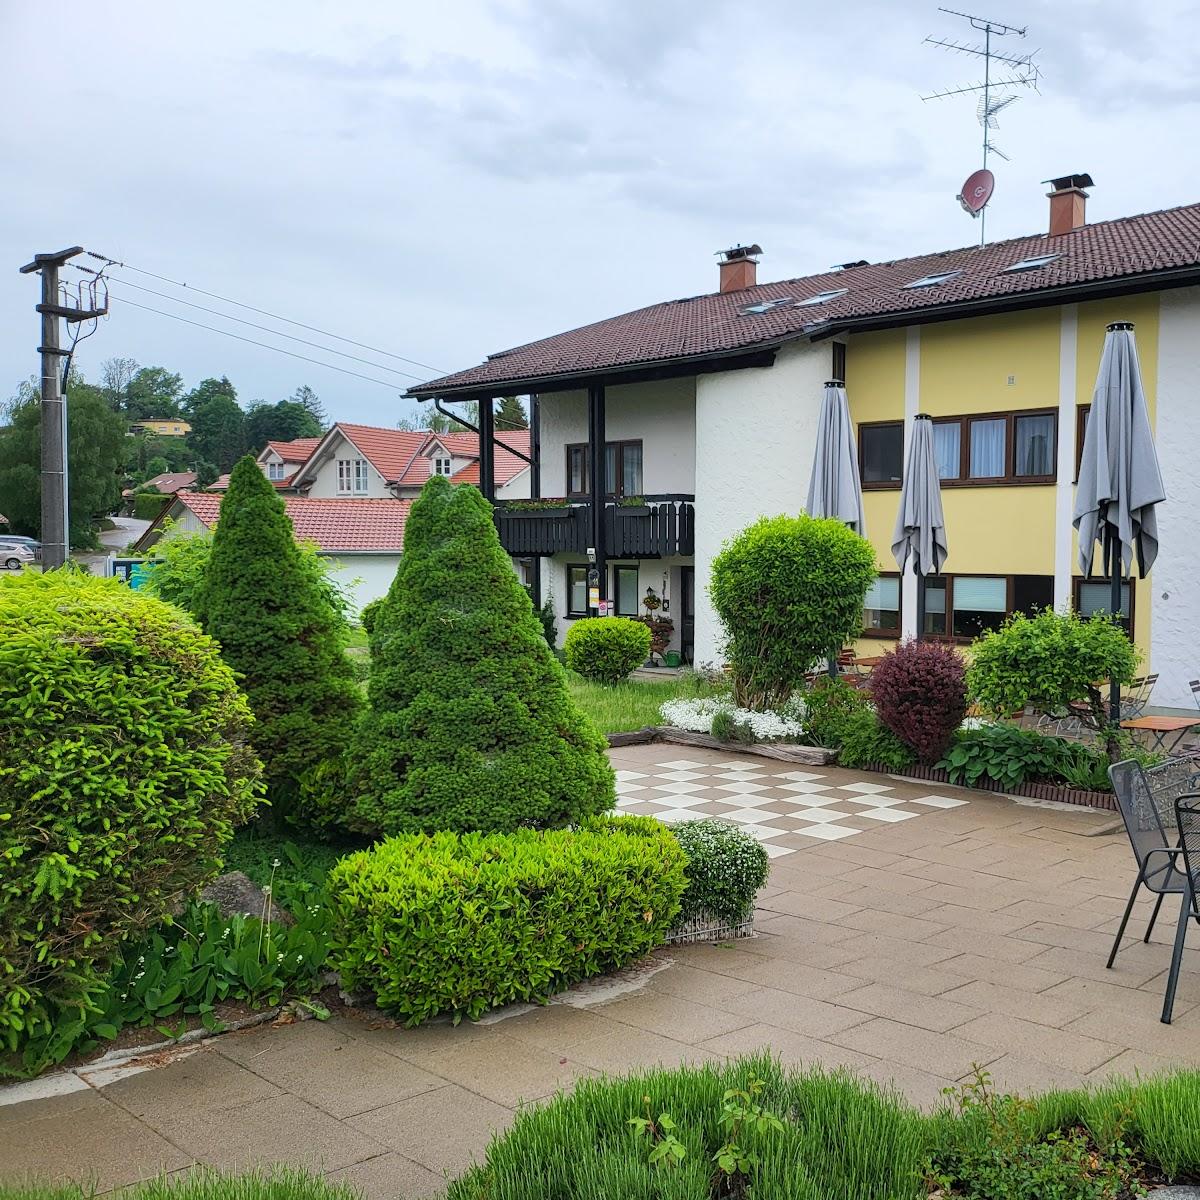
235, 893
1181, 1192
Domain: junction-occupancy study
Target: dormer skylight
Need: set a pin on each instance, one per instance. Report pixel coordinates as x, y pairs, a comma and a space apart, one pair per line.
822, 297
933, 280
766, 305
1031, 264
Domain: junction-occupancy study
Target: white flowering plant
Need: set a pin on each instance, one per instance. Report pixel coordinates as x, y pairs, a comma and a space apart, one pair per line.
725, 869
701, 714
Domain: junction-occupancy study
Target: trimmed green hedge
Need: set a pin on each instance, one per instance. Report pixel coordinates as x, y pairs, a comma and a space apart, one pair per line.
606, 649
463, 923
725, 868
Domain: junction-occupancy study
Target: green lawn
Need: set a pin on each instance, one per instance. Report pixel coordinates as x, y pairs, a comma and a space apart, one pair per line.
631, 705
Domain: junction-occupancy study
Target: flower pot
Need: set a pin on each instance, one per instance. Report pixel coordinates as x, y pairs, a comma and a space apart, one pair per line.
633, 510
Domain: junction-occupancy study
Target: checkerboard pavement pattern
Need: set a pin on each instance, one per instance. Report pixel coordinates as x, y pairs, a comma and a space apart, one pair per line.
786, 807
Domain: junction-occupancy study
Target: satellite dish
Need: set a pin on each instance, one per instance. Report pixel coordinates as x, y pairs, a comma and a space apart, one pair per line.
977, 191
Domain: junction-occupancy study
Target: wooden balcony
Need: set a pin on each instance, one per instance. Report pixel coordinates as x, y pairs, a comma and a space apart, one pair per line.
664, 526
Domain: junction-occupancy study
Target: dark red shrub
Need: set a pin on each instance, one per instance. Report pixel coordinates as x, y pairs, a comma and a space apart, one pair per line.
920, 694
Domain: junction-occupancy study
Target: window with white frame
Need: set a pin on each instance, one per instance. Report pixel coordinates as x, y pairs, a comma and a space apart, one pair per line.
274, 470
352, 476
441, 466
881, 608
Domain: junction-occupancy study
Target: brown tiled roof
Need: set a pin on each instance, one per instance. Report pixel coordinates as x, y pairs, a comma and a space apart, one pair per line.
389, 451
296, 451
1150, 245
169, 482
466, 445
336, 524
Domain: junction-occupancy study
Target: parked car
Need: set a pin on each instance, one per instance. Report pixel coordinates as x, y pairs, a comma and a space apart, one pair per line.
15, 556
13, 539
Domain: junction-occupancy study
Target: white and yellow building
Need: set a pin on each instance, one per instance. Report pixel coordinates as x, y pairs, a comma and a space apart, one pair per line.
706, 409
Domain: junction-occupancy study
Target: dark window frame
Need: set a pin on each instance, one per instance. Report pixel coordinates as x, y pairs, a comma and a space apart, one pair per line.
1009, 593
1077, 582
891, 635
620, 467
1010, 478
838, 361
572, 566
617, 568
882, 485
1082, 412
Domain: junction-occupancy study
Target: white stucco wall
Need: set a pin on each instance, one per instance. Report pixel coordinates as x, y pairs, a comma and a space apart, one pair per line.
661, 414
755, 431
1175, 617
325, 481
365, 577
516, 488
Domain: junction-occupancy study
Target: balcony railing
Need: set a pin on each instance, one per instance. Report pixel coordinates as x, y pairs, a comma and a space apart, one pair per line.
665, 525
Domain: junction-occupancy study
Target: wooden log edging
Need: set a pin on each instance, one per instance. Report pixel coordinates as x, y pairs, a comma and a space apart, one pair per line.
819, 756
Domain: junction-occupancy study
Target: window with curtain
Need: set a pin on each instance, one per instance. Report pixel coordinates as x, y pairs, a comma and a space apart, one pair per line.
980, 603
935, 604
881, 608
622, 469
987, 448
947, 448
577, 478
1033, 440
881, 453
625, 591
577, 591
274, 470
631, 469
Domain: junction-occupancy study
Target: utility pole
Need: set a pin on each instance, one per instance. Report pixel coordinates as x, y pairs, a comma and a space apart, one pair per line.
56, 547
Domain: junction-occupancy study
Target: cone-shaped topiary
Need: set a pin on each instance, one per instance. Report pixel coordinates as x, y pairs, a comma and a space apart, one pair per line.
281, 633
470, 726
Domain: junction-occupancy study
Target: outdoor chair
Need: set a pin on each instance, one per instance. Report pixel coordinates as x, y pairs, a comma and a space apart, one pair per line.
1148, 807
1135, 698
1187, 816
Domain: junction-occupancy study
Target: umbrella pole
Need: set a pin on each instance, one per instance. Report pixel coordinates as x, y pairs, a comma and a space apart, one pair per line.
920, 602
1114, 574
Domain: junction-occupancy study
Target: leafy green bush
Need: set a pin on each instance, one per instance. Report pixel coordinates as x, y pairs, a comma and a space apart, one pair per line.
725, 868
368, 613
148, 505
277, 628
606, 649
830, 705
1049, 662
124, 766
867, 741
726, 727
202, 1183
789, 591
461, 924
1008, 755
470, 725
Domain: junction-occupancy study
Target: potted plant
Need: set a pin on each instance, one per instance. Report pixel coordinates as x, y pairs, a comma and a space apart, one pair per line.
542, 506
633, 506
661, 628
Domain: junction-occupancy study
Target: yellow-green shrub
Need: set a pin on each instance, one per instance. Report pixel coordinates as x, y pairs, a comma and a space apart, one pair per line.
606, 649
463, 923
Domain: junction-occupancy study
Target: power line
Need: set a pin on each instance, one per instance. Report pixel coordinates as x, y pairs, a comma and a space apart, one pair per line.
391, 385
254, 325
264, 312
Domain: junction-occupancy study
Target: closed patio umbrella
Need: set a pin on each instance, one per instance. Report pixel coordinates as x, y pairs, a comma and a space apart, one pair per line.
834, 489
1119, 481
920, 527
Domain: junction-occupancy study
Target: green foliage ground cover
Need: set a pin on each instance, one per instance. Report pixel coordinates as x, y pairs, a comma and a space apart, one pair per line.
277, 1183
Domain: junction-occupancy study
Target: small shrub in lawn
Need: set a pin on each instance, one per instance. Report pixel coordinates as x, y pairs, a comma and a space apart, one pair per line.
461, 924
470, 724
124, 766
726, 727
789, 591
606, 649
725, 868
920, 694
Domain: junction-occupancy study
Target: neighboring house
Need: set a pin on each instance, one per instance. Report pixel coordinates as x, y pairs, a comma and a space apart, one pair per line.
363, 536
281, 460
168, 483
707, 408
167, 427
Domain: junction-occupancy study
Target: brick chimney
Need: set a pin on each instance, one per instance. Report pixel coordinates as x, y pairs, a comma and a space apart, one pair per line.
739, 268
1068, 203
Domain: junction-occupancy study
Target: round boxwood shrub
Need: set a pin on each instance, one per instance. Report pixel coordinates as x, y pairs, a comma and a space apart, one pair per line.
920, 694
470, 725
124, 766
606, 648
789, 591
725, 868
463, 923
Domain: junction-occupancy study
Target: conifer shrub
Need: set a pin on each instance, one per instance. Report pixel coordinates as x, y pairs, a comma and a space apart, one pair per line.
606, 649
789, 591
920, 694
125, 764
278, 629
458, 924
470, 725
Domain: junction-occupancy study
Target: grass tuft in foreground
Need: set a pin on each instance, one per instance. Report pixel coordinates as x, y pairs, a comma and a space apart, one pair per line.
279, 1183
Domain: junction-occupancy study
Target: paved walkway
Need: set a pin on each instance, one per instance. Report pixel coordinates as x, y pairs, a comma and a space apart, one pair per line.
907, 950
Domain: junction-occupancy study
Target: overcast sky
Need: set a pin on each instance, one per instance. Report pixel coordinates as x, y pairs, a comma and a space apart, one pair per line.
446, 180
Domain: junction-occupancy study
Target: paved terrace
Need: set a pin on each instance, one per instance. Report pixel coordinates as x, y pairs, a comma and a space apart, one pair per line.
925, 930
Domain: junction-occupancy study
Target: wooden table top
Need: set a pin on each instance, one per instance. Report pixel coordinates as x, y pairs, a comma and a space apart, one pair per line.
1161, 724
869, 661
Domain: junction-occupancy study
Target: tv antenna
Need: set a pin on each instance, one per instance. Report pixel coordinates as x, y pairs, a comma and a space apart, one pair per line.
995, 94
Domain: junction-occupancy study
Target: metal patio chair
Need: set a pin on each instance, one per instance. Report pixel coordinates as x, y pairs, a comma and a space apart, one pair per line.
1148, 807
1187, 817
1135, 698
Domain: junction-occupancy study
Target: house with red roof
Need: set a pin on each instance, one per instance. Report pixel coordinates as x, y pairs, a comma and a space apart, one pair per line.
668, 429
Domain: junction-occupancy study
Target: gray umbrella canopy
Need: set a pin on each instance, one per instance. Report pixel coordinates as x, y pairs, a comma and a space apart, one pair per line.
1119, 480
920, 526
834, 489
